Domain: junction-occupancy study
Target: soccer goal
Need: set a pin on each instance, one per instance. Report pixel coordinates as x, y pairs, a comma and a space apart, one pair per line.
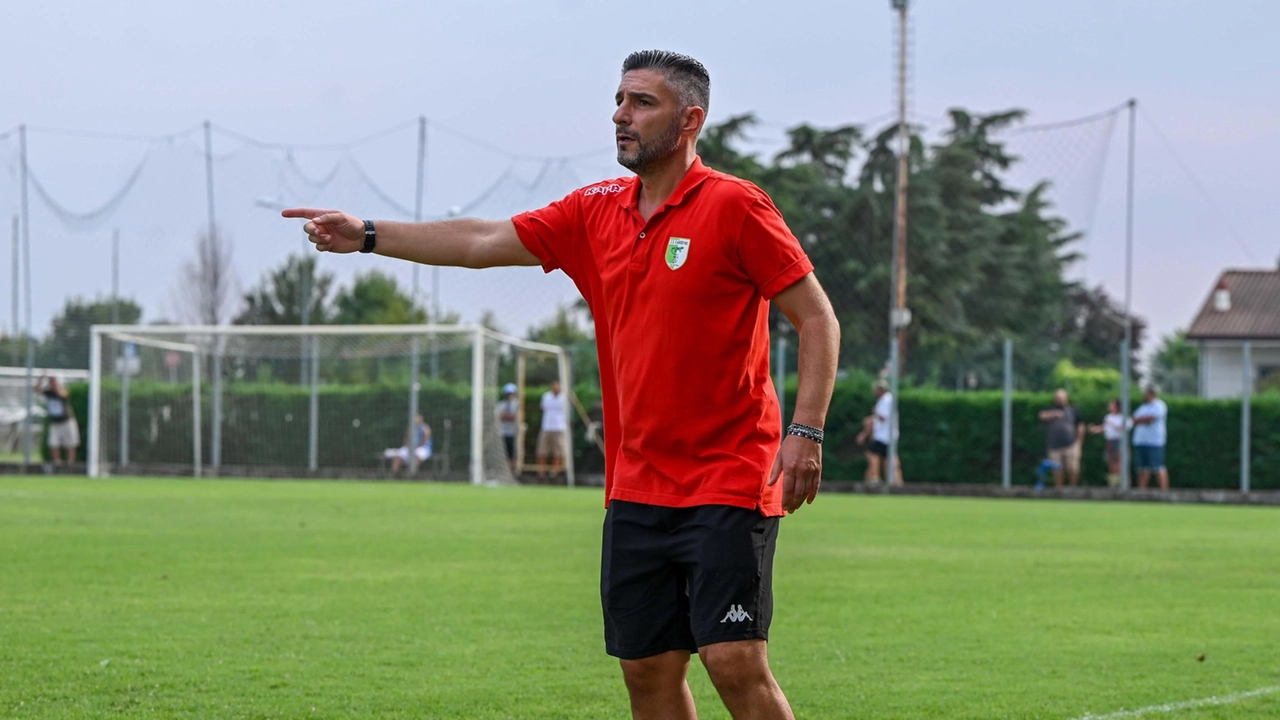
309, 401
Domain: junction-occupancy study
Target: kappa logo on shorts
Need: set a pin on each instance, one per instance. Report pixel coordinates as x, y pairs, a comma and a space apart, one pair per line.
735, 614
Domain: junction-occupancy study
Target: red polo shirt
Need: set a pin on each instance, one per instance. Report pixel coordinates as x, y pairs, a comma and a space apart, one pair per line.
681, 306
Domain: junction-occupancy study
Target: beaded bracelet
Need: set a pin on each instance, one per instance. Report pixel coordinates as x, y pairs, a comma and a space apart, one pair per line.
806, 432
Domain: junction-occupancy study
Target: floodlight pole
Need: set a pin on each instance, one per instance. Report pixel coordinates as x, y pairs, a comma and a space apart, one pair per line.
1125, 347
899, 316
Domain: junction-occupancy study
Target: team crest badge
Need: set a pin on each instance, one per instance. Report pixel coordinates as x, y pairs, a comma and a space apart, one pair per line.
677, 252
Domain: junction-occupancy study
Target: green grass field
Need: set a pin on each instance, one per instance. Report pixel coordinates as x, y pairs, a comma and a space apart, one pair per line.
231, 599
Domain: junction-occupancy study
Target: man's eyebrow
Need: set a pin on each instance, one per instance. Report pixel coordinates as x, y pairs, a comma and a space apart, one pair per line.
636, 94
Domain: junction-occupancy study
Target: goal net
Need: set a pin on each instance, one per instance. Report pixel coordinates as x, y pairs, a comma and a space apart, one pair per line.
314, 401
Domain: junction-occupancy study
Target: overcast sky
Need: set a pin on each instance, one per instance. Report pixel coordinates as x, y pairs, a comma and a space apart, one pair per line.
536, 78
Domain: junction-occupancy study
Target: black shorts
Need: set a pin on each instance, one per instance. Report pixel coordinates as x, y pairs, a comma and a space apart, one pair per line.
682, 578
879, 448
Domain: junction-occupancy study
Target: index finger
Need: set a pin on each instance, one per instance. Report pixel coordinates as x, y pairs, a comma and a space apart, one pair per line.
305, 213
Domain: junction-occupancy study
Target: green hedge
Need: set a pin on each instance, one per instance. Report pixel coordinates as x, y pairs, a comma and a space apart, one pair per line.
955, 437
946, 436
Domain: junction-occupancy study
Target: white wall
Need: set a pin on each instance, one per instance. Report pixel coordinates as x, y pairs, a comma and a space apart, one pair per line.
1221, 365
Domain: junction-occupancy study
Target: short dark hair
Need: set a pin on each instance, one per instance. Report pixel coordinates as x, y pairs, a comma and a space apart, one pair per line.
690, 79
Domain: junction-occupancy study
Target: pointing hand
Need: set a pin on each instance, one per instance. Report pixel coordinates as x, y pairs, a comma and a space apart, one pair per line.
330, 230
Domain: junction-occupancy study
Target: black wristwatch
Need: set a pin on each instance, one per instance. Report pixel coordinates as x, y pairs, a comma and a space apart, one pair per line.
370, 237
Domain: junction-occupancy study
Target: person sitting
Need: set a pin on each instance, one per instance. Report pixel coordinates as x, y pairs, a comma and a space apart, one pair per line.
416, 448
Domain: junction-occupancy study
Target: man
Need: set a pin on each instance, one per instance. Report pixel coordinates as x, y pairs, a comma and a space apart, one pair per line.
416, 448
1149, 438
677, 264
1063, 434
876, 427
551, 440
508, 416
64, 433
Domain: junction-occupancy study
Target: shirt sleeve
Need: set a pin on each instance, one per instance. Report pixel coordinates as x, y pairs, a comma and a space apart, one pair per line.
770, 254
553, 232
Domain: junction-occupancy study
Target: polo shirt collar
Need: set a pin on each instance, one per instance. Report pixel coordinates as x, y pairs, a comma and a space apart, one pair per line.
693, 177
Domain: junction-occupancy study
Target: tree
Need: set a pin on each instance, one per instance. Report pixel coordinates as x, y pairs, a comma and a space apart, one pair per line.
375, 298
282, 296
67, 345
1175, 367
985, 261
208, 281
565, 329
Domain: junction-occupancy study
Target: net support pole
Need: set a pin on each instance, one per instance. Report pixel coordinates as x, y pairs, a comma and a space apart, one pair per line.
1246, 409
566, 381
477, 406
93, 464
197, 424
17, 261
313, 412
521, 368
28, 421
415, 360
1006, 423
1125, 392
415, 350
215, 432
124, 404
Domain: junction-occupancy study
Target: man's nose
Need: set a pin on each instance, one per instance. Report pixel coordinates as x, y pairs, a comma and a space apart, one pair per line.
621, 116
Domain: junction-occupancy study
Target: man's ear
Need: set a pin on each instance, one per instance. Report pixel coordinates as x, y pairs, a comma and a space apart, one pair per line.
693, 120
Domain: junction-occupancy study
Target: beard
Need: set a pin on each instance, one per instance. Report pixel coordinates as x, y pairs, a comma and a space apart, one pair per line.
651, 153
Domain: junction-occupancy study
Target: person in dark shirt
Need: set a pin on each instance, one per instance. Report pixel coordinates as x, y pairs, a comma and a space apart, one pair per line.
63, 430
1063, 433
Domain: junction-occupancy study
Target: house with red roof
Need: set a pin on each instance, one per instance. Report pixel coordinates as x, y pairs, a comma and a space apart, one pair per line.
1242, 313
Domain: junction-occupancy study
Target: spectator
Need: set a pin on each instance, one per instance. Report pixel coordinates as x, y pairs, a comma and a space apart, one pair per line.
508, 415
1063, 434
876, 426
64, 433
1112, 430
1149, 438
419, 439
555, 411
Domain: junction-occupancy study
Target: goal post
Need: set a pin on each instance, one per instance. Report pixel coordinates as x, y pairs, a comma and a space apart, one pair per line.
305, 401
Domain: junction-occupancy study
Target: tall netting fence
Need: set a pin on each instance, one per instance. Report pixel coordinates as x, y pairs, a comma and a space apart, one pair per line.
309, 401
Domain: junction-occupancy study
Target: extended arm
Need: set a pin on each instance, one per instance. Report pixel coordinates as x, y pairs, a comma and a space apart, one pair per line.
464, 242
799, 461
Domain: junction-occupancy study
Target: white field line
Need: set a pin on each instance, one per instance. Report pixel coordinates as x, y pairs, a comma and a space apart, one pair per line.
1184, 705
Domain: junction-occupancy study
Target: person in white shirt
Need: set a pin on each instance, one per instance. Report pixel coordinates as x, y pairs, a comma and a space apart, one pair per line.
555, 421
876, 427
1112, 430
1149, 438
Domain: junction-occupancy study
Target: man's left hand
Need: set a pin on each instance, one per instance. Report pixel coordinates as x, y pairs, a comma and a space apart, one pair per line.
799, 464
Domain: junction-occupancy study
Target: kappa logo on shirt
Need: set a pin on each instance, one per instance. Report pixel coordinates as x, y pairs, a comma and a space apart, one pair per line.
602, 189
677, 252
735, 614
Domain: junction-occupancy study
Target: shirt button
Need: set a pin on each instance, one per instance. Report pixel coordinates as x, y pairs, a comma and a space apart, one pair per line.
641, 236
